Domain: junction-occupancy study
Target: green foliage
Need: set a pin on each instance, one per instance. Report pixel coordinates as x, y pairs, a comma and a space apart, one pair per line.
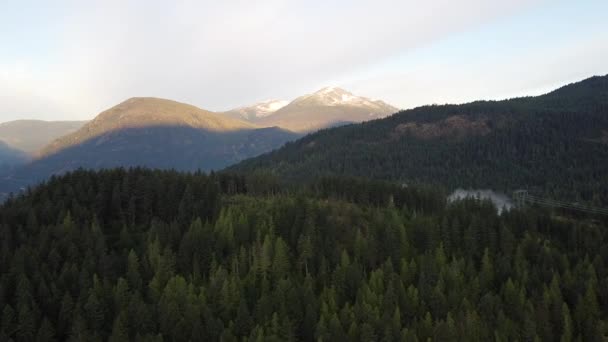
149, 255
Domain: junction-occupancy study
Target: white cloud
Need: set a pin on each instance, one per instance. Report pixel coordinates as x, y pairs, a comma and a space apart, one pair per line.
222, 54
491, 75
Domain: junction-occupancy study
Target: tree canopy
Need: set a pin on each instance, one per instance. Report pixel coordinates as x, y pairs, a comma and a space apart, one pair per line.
163, 256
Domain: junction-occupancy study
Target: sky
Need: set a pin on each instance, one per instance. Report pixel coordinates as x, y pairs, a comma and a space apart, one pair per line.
70, 60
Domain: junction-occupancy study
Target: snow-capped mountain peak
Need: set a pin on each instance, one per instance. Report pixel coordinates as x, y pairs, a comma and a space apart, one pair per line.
335, 96
326, 107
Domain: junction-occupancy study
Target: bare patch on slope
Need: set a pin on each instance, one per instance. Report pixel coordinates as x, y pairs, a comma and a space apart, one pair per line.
457, 126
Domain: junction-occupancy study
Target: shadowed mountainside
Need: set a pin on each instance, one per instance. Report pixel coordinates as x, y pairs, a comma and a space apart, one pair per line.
153, 133
10, 156
556, 143
140, 112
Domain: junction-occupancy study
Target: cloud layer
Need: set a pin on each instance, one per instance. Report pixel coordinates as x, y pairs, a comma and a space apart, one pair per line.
82, 57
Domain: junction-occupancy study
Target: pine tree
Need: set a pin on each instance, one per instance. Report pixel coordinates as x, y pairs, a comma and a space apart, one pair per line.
65, 315
487, 271
266, 256
305, 249
133, 271
243, 323
280, 262
336, 331
367, 333
568, 329
46, 332
119, 328
9, 320
26, 324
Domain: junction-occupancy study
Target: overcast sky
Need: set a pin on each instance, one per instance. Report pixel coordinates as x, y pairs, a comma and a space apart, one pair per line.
72, 59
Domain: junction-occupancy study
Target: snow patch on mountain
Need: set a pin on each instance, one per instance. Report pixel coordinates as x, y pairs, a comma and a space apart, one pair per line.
260, 109
270, 106
334, 96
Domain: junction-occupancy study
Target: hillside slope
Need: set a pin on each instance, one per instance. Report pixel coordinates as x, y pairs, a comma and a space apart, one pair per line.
153, 133
144, 112
556, 144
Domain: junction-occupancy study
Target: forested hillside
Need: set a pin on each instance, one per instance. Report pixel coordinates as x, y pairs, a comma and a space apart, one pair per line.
555, 144
162, 256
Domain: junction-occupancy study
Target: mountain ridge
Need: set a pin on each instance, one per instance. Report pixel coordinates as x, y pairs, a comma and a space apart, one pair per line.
550, 143
138, 112
154, 133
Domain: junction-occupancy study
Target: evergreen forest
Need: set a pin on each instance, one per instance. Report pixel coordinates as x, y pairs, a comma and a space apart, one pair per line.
140, 255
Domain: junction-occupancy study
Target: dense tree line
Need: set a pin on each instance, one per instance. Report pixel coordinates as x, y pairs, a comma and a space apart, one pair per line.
555, 145
162, 256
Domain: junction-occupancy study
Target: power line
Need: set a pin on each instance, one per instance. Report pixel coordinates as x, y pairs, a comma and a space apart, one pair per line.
522, 197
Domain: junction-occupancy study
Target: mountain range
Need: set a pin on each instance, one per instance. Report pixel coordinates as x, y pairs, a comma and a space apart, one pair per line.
153, 133
165, 134
556, 144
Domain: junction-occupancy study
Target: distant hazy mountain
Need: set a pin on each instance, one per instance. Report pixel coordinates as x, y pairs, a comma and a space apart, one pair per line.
556, 144
154, 133
10, 159
32, 135
327, 107
256, 111
10, 156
